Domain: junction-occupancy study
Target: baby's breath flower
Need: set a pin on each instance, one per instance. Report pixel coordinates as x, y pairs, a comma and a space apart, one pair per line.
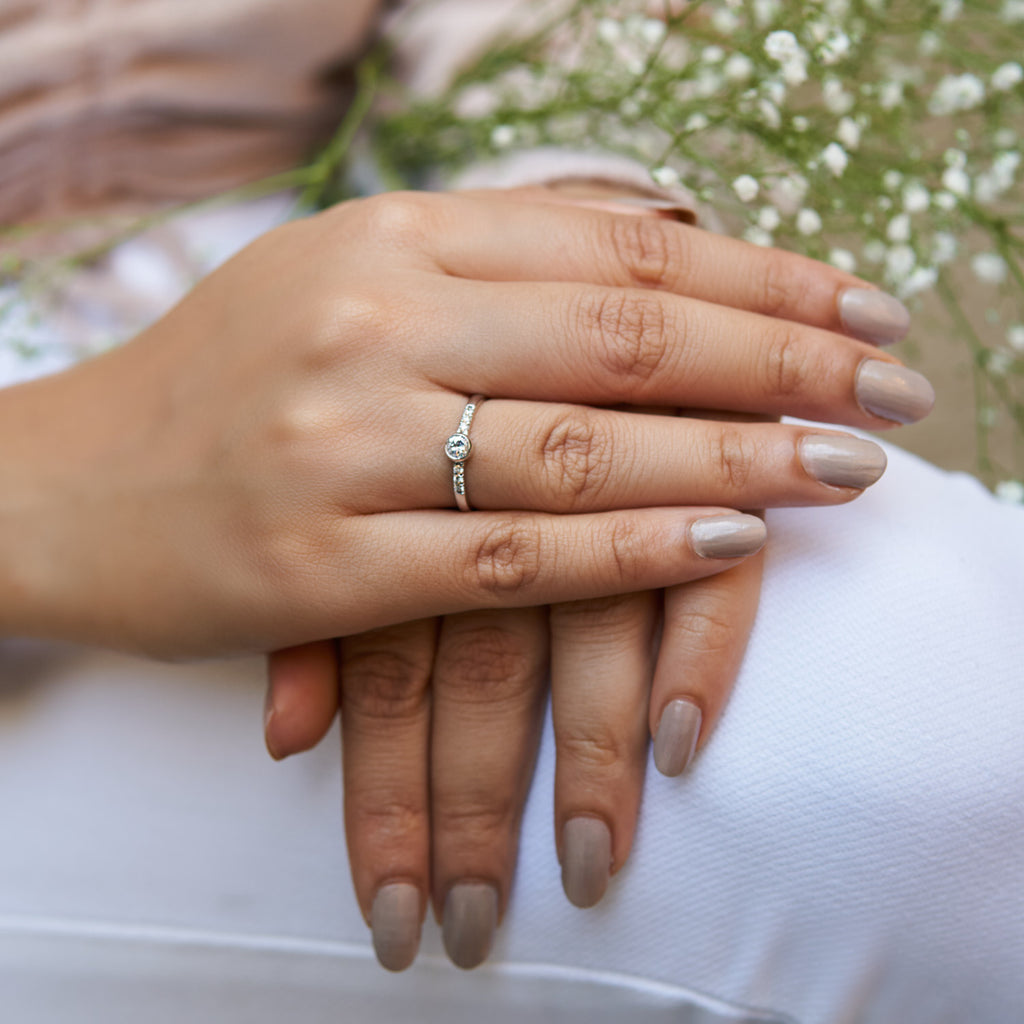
946, 201
1010, 491
890, 95
738, 68
899, 228
758, 236
998, 363
666, 177
875, 251
955, 93
1015, 337
944, 247
989, 267
725, 21
834, 49
746, 187
782, 45
769, 114
789, 192
766, 11
836, 98
929, 44
916, 198
800, 123
835, 158
921, 279
652, 31
956, 181
899, 262
848, 133
808, 221
950, 10
892, 180
712, 55
768, 219
1012, 11
696, 122
502, 136
1007, 76
843, 259
609, 30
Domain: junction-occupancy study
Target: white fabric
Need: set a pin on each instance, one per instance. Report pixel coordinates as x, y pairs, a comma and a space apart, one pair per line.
848, 848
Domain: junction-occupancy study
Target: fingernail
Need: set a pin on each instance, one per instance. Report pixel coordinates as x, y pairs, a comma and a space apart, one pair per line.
893, 392
631, 203
395, 923
586, 860
676, 738
842, 461
873, 316
732, 536
470, 917
268, 731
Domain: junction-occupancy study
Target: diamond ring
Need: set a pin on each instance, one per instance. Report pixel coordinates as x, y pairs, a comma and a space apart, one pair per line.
457, 448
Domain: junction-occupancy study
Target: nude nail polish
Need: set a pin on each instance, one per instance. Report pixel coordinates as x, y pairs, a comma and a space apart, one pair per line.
873, 316
586, 860
395, 924
468, 923
842, 461
728, 536
676, 738
893, 392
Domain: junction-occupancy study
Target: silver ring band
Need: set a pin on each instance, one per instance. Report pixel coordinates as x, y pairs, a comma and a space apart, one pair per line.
457, 448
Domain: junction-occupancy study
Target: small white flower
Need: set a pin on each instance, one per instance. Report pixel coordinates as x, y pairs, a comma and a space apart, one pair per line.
957, 181
890, 95
774, 90
955, 93
725, 21
800, 123
848, 133
696, 122
1004, 138
746, 187
1012, 12
609, 30
808, 222
944, 247
1010, 491
738, 68
892, 180
989, 267
666, 177
950, 10
835, 158
899, 228
758, 236
835, 48
954, 158
794, 71
1007, 76
1004, 167
929, 44
768, 219
502, 136
1015, 337
946, 201
652, 31
875, 251
708, 83
843, 259
790, 191
916, 198
766, 11
769, 114
900, 261
712, 55
836, 98
782, 45
998, 363
920, 280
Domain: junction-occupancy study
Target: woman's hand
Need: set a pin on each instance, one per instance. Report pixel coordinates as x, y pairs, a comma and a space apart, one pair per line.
264, 466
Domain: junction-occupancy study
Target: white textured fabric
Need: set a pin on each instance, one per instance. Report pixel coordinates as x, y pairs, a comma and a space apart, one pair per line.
850, 846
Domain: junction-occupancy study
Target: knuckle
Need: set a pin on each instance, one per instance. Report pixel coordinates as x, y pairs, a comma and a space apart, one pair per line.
786, 370
646, 247
705, 629
629, 547
575, 459
734, 459
383, 820
486, 663
504, 558
629, 329
384, 684
597, 748
477, 819
399, 220
781, 290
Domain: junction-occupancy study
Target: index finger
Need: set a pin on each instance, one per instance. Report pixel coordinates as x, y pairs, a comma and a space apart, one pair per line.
555, 242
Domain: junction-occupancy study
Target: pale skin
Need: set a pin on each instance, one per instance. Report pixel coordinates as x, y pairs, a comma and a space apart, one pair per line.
262, 470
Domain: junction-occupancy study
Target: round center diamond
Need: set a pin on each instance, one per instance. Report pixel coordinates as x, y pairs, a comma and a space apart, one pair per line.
457, 447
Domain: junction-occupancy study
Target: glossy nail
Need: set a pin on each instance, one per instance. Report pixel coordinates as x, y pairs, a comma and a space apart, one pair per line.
395, 923
586, 860
873, 316
842, 461
676, 738
629, 204
731, 536
468, 924
893, 392
269, 736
